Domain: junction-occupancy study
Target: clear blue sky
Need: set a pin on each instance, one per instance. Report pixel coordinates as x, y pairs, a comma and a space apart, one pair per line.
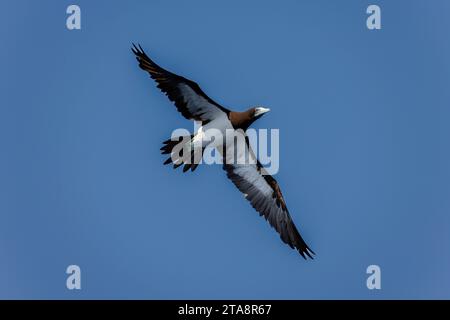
365, 158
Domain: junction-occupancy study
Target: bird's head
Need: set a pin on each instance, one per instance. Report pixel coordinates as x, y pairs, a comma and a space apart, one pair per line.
243, 120
258, 112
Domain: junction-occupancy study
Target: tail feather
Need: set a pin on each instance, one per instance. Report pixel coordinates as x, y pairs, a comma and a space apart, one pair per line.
175, 147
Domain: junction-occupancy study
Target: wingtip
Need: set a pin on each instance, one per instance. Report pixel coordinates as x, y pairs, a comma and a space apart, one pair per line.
134, 48
302, 254
137, 49
306, 252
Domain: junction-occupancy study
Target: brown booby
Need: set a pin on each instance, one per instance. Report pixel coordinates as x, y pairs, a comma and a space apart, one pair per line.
258, 187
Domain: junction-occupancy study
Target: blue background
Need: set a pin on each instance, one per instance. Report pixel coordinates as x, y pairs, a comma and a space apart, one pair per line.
363, 118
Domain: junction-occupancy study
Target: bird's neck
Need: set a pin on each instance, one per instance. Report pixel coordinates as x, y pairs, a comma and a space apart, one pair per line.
241, 120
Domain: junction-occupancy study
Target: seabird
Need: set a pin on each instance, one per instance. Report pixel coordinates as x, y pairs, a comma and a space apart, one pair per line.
257, 186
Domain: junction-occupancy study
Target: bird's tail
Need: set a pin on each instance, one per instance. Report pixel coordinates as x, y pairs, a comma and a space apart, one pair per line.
182, 150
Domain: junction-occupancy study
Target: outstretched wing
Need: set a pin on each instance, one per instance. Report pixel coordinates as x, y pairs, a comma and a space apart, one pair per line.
264, 194
187, 96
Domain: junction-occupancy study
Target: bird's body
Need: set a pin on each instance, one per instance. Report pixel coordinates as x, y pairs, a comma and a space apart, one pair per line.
257, 186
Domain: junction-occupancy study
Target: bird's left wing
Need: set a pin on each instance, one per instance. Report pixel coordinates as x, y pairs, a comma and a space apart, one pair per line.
187, 96
264, 194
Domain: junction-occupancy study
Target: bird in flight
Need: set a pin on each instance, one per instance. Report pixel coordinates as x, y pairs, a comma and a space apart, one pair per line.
257, 186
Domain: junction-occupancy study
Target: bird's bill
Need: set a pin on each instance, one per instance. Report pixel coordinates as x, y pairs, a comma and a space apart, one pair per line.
261, 111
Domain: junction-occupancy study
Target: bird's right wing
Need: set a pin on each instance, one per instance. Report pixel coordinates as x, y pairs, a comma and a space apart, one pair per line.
187, 96
264, 194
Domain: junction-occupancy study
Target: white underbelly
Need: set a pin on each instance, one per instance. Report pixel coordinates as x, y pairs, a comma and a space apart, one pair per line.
214, 132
